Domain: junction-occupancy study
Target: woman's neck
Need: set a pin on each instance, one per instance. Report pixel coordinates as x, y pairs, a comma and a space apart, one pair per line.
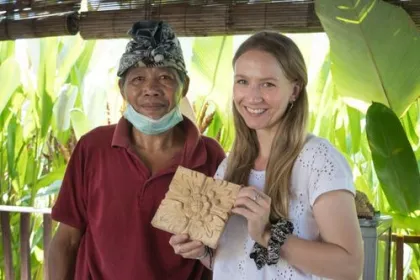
265, 141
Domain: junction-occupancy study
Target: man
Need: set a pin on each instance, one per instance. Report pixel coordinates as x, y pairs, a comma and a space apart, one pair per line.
119, 174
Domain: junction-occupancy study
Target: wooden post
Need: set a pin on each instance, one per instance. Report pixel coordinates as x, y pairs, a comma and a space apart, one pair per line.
7, 247
46, 239
25, 256
399, 257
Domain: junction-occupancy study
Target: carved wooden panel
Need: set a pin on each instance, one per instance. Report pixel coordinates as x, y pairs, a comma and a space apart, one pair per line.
197, 205
363, 206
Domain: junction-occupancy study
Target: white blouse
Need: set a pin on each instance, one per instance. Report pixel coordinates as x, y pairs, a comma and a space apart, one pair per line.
318, 169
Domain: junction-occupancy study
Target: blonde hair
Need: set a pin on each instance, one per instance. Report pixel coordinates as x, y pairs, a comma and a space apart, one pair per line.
291, 132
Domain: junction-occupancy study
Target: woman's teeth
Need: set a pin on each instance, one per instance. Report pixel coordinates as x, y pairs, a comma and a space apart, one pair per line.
255, 111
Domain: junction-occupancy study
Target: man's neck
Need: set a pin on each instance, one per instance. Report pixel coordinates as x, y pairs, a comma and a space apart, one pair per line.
155, 143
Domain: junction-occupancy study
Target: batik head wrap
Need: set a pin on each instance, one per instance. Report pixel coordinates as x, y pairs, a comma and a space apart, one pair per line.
152, 44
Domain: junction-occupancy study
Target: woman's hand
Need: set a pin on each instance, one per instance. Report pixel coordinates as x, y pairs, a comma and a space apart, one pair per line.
187, 248
255, 206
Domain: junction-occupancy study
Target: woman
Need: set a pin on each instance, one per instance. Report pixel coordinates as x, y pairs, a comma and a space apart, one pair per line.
296, 219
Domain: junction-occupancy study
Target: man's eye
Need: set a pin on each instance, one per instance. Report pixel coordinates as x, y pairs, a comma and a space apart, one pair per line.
241, 82
166, 77
139, 78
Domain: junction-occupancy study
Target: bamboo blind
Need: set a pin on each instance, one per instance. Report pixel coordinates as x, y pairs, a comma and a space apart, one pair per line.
208, 20
52, 25
100, 5
112, 19
29, 8
211, 18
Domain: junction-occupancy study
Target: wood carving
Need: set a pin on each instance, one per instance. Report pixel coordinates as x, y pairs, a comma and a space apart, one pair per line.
363, 207
197, 205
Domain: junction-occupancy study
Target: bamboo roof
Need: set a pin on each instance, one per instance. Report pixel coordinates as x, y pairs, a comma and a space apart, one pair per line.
111, 19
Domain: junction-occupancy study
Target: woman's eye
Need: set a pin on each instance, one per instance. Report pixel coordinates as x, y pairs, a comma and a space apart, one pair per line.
241, 82
268, 85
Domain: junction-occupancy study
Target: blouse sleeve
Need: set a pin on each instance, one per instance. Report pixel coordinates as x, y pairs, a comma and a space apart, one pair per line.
330, 171
220, 172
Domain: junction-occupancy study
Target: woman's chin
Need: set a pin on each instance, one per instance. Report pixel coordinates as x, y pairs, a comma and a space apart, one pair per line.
255, 125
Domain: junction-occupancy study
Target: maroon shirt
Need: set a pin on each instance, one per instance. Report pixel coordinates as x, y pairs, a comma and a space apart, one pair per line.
110, 195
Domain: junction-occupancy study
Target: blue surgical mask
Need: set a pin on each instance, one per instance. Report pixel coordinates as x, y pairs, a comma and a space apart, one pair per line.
150, 126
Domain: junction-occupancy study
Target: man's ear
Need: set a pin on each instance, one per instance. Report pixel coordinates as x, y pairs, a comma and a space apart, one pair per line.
186, 86
121, 86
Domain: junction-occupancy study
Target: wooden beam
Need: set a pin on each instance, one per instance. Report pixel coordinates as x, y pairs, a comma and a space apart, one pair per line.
408, 239
23, 209
7, 245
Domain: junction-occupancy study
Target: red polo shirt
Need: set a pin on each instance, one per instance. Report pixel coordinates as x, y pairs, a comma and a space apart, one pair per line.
110, 195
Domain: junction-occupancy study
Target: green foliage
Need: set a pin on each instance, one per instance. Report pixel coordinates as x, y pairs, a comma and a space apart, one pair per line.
35, 134
366, 66
48, 101
394, 159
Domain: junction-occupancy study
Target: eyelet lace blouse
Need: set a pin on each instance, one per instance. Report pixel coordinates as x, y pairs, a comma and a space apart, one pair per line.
319, 168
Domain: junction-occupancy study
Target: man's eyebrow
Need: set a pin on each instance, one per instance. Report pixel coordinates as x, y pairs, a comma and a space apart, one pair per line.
167, 71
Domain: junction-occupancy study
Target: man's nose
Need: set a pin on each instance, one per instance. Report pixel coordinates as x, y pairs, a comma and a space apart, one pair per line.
152, 88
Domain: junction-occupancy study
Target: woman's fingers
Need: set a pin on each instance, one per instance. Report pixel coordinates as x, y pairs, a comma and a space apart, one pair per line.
185, 247
245, 201
178, 239
188, 247
255, 195
195, 253
249, 215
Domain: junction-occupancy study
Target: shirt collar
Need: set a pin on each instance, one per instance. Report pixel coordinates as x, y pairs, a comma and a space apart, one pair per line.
194, 153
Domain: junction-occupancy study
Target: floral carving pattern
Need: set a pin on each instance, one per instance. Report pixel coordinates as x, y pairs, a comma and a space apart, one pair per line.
197, 205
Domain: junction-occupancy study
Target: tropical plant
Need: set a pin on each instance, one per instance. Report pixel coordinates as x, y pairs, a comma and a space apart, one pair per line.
367, 68
52, 93
38, 95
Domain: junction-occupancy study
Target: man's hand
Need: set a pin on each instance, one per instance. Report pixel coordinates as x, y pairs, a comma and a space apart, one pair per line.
63, 251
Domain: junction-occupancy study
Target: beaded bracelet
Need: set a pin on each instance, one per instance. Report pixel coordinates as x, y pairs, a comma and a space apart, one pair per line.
208, 253
271, 254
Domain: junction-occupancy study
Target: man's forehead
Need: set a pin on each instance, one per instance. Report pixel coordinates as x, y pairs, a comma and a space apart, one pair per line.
152, 70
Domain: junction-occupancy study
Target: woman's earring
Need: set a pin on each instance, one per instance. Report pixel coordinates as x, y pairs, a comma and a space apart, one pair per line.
291, 105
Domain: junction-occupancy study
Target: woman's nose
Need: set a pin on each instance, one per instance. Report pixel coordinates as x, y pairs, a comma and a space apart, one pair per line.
254, 94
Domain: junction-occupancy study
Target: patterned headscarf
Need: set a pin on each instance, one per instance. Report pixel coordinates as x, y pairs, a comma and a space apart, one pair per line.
153, 44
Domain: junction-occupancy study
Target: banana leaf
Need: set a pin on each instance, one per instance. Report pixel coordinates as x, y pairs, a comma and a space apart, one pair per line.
62, 107
9, 81
393, 158
211, 66
374, 52
80, 122
11, 146
7, 49
212, 61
